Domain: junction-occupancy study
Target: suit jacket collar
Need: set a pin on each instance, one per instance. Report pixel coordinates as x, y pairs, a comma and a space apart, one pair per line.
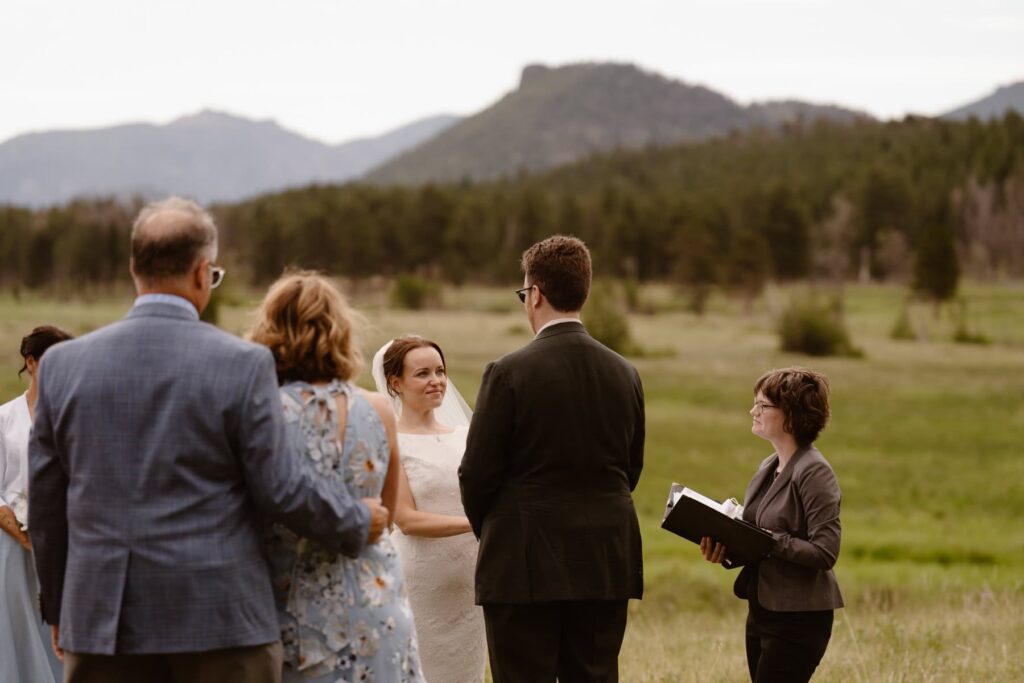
160, 310
561, 328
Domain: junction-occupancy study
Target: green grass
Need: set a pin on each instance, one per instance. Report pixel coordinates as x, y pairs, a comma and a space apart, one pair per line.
926, 439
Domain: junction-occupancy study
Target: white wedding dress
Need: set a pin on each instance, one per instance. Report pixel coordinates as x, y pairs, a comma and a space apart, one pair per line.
439, 571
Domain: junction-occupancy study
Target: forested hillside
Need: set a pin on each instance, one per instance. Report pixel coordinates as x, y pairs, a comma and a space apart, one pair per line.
823, 200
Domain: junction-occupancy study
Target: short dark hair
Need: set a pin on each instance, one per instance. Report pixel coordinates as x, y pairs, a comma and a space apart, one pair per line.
802, 395
172, 252
394, 357
560, 266
35, 343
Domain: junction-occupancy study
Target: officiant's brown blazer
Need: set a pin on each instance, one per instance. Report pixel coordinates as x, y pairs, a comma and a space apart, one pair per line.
801, 509
553, 454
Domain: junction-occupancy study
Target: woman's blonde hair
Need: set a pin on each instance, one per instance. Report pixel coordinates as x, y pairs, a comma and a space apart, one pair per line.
310, 328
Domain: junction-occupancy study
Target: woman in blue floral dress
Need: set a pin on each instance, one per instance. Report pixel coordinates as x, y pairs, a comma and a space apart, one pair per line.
343, 619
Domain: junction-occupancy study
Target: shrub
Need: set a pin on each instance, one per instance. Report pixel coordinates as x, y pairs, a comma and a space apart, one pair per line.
815, 328
211, 314
963, 334
605, 320
227, 295
631, 288
902, 329
414, 293
635, 298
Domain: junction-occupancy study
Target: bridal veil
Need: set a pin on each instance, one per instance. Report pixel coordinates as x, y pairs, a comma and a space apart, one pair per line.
453, 411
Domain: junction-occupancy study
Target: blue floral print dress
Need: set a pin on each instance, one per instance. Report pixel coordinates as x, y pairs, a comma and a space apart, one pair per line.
343, 619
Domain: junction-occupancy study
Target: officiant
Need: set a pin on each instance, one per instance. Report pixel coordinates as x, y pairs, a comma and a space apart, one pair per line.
792, 593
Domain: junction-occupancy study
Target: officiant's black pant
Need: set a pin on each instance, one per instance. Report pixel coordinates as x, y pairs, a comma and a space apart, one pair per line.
577, 642
785, 647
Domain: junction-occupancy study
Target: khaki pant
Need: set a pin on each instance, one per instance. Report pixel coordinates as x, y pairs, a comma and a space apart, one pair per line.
256, 664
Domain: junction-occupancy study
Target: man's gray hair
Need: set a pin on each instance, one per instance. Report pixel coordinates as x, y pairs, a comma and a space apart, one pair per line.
169, 236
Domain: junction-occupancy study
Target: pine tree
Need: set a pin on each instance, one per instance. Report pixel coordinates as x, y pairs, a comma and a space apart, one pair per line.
936, 269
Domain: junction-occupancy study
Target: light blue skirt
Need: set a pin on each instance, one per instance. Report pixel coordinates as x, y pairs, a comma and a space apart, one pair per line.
25, 652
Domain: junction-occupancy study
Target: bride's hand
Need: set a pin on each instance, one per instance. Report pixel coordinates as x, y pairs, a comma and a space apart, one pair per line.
9, 524
58, 651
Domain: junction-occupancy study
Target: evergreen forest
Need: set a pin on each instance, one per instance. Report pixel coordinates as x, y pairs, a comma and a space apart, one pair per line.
919, 200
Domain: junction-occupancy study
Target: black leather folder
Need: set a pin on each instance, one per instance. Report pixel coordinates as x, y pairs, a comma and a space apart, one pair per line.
690, 518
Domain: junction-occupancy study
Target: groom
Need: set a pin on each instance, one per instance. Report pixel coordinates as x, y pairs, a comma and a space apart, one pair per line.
553, 453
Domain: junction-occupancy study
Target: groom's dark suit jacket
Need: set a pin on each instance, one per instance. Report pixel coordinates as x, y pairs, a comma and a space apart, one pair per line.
553, 453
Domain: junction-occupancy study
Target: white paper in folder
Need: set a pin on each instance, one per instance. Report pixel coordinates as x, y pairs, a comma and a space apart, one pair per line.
730, 508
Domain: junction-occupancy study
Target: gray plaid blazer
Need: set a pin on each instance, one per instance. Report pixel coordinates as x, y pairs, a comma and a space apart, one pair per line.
159, 442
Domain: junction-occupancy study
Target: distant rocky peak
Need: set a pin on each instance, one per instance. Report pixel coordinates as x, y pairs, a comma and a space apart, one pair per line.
214, 117
533, 73
537, 74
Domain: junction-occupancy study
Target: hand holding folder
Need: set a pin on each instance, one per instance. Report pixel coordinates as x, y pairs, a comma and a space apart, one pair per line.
693, 516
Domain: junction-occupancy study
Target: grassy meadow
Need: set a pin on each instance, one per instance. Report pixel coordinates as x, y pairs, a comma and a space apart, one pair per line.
926, 439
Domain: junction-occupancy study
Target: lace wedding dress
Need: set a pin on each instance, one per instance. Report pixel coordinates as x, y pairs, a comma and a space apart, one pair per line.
439, 571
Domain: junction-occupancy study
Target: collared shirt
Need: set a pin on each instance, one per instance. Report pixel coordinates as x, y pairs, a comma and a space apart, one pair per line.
558, 321
172, 299
15, 424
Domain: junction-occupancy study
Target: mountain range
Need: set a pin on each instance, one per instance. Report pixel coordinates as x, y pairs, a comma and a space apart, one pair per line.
211, 156
555, 116
559, 115
1006, 98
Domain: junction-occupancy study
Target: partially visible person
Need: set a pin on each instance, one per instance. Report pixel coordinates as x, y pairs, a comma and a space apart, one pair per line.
25, 649
793, 592
342, 618
157, 442
434, 538
553, 454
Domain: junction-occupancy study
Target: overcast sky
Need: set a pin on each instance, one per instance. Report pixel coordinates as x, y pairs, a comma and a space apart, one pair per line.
335, 70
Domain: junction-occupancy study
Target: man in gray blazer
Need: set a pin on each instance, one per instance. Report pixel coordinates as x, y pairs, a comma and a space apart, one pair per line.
159, 442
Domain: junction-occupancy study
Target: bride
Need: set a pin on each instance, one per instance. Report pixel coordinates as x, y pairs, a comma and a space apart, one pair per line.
434, 539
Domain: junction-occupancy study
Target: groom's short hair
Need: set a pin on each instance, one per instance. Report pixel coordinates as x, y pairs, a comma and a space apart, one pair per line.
560, 266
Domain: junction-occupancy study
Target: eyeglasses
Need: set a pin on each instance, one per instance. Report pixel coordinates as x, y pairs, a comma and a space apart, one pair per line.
521, 293
216, 276
759, 407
